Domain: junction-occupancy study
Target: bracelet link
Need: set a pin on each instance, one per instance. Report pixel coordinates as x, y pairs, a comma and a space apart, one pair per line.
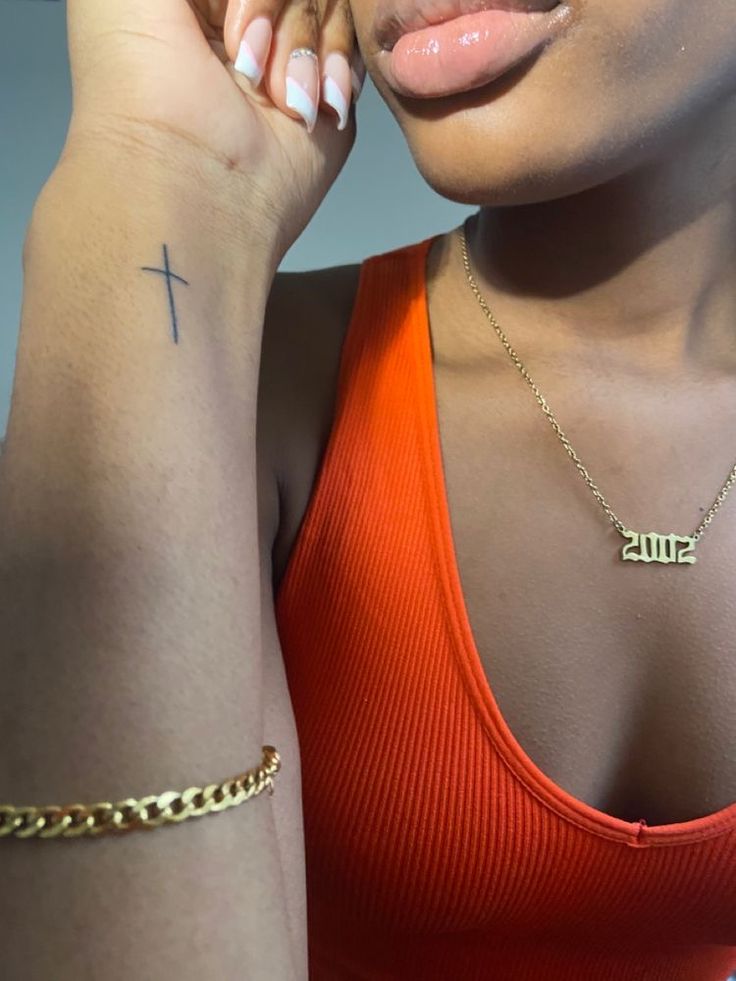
152, 811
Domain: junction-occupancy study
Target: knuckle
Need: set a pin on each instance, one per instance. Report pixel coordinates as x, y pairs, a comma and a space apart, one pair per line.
311, 15
345, 13
297, 27
338, 32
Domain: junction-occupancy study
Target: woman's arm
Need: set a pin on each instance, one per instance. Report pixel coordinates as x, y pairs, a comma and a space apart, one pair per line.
130, 621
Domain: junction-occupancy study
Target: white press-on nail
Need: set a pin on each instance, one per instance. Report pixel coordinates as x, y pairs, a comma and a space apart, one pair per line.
302, 84
336, 85
254, 48
357, 74
333, 97
245, 63
298, 99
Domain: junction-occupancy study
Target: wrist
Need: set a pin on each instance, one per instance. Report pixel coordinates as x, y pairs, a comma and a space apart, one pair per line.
105, 223
157, 176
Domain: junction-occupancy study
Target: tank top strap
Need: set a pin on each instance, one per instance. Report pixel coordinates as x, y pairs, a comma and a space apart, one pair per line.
387, 312
378, 390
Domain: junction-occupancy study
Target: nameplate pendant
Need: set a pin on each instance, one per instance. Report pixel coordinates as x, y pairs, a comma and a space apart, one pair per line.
651, 547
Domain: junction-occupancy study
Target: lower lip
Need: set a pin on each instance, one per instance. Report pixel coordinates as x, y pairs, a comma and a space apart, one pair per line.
469, 51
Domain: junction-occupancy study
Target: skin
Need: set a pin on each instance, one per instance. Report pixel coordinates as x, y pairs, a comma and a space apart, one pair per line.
619, 135
604, 243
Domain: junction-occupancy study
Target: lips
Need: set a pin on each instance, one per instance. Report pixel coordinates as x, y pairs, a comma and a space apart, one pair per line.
395, 18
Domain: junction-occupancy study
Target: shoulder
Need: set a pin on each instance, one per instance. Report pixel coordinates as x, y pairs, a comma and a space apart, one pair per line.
307, 316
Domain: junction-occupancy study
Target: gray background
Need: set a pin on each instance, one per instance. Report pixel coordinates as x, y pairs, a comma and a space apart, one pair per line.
379, 201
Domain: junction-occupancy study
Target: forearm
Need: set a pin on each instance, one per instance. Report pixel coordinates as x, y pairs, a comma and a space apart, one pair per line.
130, 622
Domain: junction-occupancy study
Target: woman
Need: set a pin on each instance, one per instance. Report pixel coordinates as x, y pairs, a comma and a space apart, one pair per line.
516, 743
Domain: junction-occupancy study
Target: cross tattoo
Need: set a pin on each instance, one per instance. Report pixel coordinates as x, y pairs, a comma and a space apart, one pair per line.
166, 271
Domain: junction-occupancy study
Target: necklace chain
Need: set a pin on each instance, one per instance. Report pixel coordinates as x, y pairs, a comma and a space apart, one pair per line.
617, 523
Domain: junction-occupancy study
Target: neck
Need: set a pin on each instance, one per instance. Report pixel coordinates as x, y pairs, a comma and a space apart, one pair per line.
646, 261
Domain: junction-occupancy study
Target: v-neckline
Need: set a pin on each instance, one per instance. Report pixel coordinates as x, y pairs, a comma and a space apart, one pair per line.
599, 822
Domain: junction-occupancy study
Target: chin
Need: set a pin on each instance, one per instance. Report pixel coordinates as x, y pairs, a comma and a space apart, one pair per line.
522, 144
486, 157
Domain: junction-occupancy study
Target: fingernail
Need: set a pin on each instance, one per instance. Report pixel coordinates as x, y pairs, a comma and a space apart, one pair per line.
336, 85
357, 74
254, 48
302, 85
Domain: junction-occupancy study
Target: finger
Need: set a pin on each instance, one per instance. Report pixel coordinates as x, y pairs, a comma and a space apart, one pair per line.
357, 73
337, 52
248, 34
291, 73
239, 14
295, 76
213, 10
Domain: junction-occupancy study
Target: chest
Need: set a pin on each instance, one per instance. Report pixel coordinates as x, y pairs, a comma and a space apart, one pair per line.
618, 679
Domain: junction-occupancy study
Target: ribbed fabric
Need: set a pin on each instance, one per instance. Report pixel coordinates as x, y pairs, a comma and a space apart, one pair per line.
435, 848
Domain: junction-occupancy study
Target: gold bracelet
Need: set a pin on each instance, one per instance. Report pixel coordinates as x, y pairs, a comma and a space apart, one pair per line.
76, 820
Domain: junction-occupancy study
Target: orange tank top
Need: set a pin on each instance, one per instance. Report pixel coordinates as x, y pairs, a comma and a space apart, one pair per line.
436, 850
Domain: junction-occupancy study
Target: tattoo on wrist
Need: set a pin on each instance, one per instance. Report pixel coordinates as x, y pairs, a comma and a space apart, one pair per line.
166, 271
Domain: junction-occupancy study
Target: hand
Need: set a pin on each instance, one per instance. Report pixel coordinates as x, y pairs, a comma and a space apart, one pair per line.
165, 69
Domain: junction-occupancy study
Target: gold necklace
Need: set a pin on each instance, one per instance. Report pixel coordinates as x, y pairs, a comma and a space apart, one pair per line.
640, 546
